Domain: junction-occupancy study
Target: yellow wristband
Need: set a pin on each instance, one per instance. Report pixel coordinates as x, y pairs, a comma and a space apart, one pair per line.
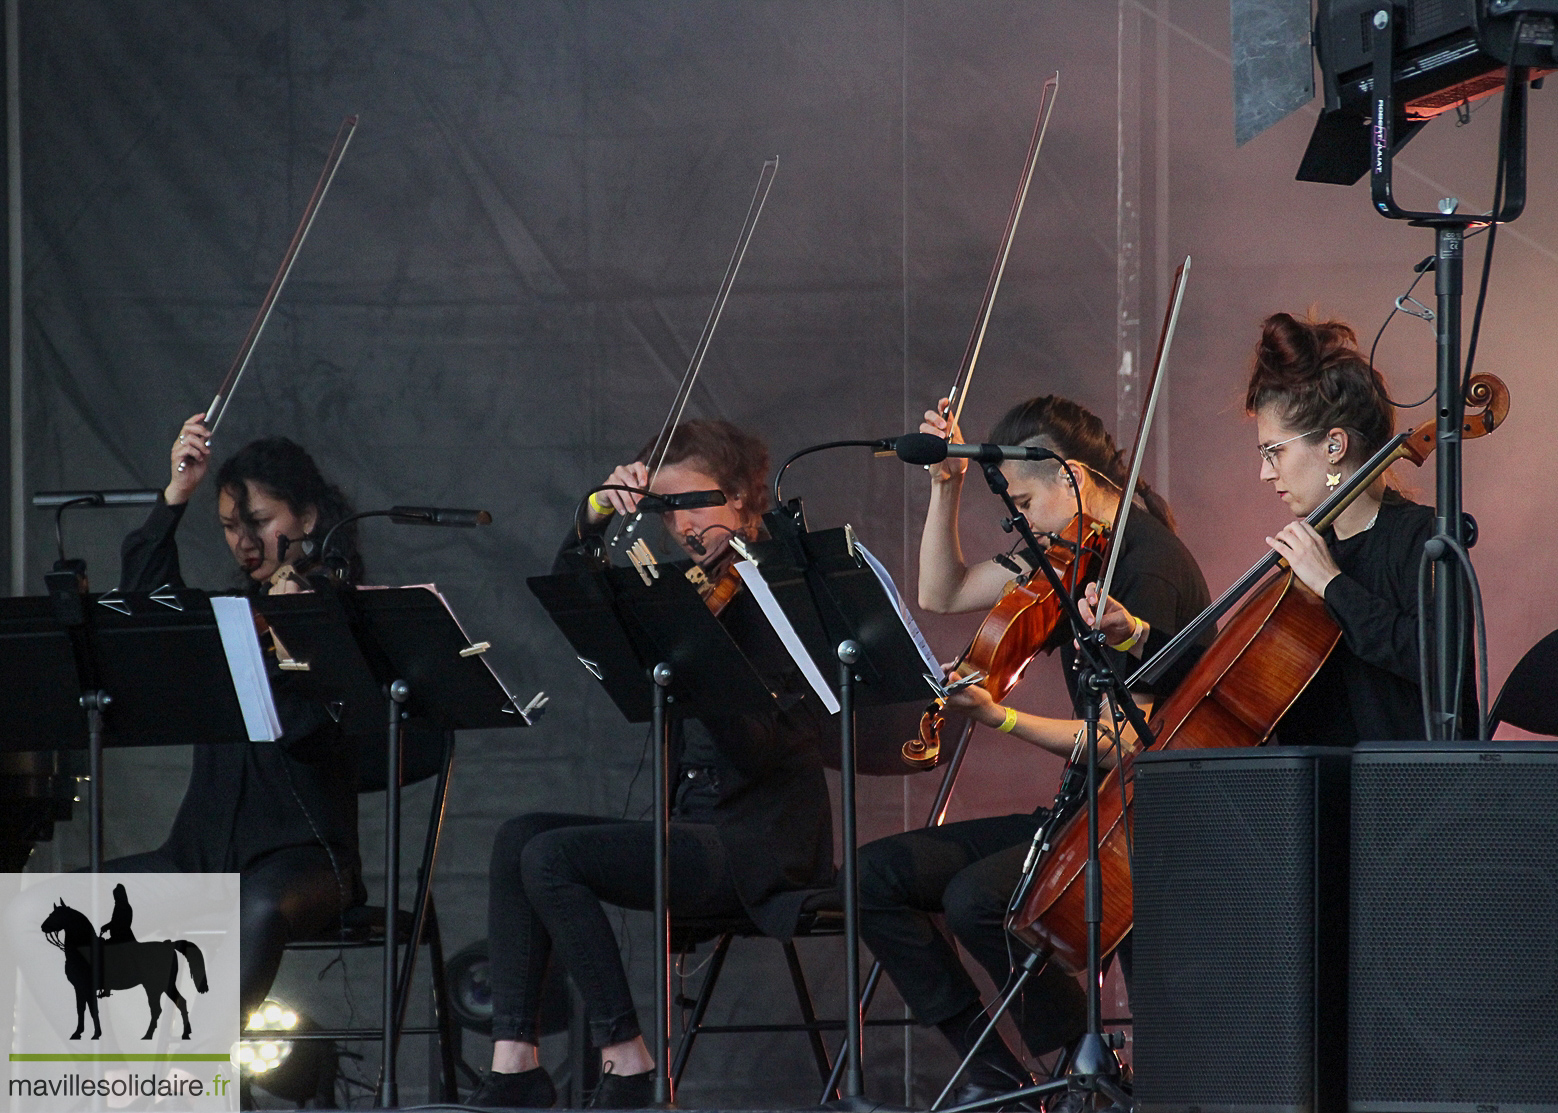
600, 507
1129, 643
1009, 722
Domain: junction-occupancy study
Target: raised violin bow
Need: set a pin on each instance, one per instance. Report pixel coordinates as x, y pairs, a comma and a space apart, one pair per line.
224, 393
959, 392
1486, 391
625, 527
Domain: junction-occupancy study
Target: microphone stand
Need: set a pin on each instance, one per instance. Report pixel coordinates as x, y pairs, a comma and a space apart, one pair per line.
1094, 1067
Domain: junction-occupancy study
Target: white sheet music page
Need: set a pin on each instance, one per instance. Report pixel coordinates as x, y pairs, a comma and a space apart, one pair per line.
786, 631
932, 666
246, 662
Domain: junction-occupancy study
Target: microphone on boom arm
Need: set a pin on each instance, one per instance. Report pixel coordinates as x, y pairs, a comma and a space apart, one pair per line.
438, 516
927, 448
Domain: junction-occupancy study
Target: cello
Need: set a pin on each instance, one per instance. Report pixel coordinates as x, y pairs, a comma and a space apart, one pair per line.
1253, 671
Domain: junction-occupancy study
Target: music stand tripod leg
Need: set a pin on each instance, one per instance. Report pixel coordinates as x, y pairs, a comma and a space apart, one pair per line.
662, 676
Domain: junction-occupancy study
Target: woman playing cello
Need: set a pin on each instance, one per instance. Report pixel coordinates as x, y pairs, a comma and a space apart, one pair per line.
968, 870
1320, 411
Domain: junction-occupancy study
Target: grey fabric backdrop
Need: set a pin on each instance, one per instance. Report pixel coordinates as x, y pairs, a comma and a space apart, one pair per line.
519, 252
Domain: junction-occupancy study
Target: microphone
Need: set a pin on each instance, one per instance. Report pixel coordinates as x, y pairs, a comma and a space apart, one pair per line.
686, 500
927, 448
139, 496
438, 516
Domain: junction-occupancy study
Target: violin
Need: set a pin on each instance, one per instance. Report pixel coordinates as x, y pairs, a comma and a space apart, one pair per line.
1259, 663
718, 589
1027, 620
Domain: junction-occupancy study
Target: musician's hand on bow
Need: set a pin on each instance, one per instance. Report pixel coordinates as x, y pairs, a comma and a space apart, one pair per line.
193, 450
940, 423
621, 502
1118, 625
1307, 554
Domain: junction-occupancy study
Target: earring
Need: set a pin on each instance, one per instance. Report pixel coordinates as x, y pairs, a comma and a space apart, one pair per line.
1333, 478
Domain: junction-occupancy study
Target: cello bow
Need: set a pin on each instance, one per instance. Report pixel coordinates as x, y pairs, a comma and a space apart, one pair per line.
224, 393
1143, 426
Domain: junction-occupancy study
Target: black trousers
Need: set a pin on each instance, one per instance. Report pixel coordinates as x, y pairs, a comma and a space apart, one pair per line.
550, 873
968, 871
287, 895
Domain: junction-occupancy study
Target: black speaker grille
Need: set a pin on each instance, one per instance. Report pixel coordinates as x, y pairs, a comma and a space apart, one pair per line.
1453, 999
1222, 991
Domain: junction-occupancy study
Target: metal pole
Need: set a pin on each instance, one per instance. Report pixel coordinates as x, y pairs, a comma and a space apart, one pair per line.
13, 188
854, 1077
664, 1095
399, 692
95, 703
1449, 243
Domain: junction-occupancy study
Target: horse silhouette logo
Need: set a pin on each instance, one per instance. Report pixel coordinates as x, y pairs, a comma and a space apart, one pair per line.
123, 962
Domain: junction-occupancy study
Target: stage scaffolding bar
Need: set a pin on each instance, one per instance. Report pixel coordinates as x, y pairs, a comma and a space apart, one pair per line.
13, 197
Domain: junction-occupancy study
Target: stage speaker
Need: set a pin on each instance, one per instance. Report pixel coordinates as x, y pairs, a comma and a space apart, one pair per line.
1454, 928
1239, 990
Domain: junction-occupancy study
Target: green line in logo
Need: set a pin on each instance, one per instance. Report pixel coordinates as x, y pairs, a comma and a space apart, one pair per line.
118, 1058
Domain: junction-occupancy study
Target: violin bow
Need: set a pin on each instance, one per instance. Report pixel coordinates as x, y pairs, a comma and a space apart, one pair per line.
959, 392
224, 393
1122, 510
765, 180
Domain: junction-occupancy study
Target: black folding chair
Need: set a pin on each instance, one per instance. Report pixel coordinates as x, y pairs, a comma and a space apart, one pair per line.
1529, 698
426, 754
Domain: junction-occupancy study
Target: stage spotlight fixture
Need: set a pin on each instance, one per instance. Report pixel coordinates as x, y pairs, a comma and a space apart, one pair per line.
1441, 54
1444, 55
470, 992
295, 1070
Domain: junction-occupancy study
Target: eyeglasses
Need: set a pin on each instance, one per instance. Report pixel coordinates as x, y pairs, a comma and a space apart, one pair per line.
1268, 452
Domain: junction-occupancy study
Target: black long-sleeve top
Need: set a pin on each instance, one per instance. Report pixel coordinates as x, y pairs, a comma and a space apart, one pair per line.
767, 796
246, 800
1368, 690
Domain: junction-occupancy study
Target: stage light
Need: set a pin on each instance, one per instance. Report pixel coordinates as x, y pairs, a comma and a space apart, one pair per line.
1437, 56
1442, 57
470, 992
297, 1070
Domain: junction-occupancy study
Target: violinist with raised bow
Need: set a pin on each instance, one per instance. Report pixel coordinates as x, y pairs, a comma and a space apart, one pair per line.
750, 832
968, 870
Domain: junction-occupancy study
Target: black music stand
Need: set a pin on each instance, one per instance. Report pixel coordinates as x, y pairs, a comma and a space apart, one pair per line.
369, 651
845, 619
653, 644
131, 660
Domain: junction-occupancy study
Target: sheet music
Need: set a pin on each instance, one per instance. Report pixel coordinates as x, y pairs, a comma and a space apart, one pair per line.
235, 622
753, 578
933, 670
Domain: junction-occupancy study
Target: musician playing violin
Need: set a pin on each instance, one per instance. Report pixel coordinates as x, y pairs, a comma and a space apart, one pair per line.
968, 870
751, 827
1320, 411
283, 814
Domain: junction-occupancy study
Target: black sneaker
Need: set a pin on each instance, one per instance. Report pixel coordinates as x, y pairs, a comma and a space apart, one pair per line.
528, 1089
